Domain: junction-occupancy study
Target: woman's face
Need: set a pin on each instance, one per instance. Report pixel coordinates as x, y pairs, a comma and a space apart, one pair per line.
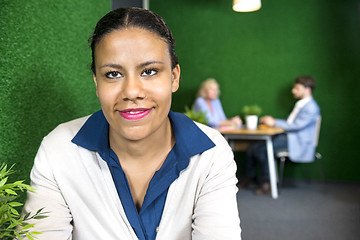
212, 91
134, 82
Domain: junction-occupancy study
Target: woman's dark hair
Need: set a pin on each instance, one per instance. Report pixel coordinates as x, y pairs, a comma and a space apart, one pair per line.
306, 81
132, 17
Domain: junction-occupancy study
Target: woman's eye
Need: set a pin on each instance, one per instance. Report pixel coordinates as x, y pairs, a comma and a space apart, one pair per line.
113, 75
149, 72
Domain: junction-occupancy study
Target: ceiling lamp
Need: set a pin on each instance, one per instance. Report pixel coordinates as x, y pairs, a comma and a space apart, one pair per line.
246, 5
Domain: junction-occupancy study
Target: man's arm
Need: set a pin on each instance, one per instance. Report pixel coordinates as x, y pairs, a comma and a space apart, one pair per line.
307, 115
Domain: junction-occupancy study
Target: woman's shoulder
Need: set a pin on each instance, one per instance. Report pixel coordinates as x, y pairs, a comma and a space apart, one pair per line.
200, 104
67, 130
213, 134
199, 100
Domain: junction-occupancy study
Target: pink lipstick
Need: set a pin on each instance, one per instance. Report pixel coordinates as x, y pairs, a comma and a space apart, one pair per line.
135, 113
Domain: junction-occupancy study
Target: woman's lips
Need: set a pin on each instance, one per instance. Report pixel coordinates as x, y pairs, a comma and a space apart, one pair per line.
135, 114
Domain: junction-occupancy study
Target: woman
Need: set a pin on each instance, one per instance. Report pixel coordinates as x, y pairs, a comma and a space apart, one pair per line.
208, 102
130, 170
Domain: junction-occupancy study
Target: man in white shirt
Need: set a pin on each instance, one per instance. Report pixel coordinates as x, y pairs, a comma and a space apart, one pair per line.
298, 140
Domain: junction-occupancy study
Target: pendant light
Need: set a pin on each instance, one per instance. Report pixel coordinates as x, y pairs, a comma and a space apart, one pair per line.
246, 5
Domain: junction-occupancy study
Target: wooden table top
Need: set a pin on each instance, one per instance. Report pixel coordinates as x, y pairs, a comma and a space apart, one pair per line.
261, 130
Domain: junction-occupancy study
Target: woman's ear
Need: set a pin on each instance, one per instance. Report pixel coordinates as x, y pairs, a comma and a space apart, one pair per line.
175, 78
96, 85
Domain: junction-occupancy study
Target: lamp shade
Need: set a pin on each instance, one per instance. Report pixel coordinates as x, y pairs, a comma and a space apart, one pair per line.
246, 5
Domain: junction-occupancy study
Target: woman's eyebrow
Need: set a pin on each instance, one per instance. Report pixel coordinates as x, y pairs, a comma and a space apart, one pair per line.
142, 65
149, 63
112, 65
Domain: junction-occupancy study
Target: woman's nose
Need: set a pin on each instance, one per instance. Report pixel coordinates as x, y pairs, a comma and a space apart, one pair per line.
133, 89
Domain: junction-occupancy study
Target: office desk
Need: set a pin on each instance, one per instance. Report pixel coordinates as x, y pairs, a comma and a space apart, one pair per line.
259, 134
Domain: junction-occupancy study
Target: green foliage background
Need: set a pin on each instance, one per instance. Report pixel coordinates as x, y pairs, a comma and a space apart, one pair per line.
45, 77
256, 56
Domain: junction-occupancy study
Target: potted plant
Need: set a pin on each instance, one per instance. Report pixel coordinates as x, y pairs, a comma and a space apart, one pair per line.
12, 225
251, 114
196, 116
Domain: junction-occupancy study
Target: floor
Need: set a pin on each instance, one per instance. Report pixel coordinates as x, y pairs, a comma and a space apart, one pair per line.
303, 211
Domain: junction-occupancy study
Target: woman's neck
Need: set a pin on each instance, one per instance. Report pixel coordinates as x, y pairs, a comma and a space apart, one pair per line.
145, 150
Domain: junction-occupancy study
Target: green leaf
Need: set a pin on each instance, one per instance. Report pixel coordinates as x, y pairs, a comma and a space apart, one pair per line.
9, 191
251, 110
3, 181
15, 204
30, 188
29, 237
14, 224
40, 210
7, 199
13, 210
11, 224
26, 216
18, 235
196, 116
16, 221
27, 226
40, 217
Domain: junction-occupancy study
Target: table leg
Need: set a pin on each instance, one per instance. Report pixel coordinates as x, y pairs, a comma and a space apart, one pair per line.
272, 171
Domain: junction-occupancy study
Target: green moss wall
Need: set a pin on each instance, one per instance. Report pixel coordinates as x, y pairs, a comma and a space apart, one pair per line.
45, 77
44, 71
256, 56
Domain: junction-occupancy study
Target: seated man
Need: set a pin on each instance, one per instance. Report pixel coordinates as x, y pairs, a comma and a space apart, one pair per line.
298, 140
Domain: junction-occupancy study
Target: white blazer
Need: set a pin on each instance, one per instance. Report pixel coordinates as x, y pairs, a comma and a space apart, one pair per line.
75, 186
